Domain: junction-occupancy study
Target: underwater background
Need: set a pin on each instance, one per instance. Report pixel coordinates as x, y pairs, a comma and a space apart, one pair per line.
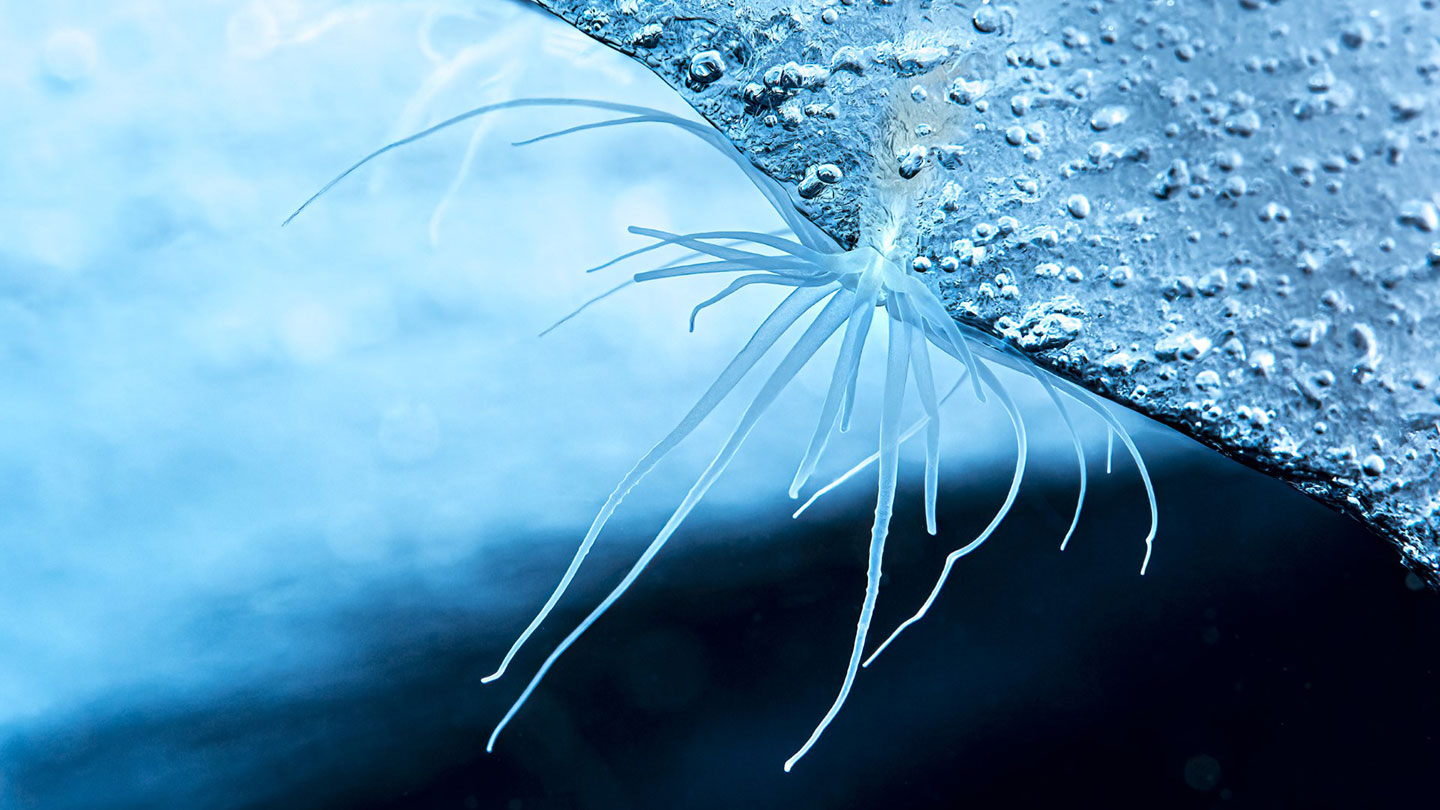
273, 500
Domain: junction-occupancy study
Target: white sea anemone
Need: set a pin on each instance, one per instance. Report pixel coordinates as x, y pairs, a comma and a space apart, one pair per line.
847, 287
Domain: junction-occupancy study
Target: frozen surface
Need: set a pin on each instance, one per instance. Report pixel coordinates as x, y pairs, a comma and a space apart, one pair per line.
1222, 213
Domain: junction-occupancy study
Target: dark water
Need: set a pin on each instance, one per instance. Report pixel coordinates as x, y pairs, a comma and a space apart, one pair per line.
1274, 656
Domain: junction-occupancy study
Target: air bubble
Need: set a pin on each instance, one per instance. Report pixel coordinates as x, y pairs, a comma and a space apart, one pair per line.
986, 19
1107, 118
706, 67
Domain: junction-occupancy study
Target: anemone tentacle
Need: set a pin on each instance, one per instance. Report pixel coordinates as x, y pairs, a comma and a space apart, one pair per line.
847, 365
925, 386
897, 369
909, 434
857, 283
722, 252
1022, 451
819, 330
776, 324
749, 280
809, 234
1059, 403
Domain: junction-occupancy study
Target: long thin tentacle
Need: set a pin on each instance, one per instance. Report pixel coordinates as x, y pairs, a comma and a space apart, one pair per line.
601, 297
934, 314
734, 254
852, 374
1022, 445
847, 366
809, 234
748, 280
597, 299
810, 341
779, 321
1049, 388
614, 122
1079, 459
756, 237
895, 375
775, 266
925, 385
452, 121
1118, 428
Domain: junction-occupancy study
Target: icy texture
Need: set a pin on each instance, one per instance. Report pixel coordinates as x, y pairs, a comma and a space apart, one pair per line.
1223, 214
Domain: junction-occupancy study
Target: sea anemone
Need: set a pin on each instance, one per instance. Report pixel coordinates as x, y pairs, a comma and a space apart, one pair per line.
847, 287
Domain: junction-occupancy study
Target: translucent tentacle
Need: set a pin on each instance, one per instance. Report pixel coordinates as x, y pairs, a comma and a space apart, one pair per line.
847, 366
745, 281
810, 257
852, 374
1079, 457
925, 385
733, 254
931, 311
601, 297
1022, 444
895, 376
1054, 396
709, 268
453, 121
809, 234
874, 457
810, 341
1117, 428
597, 299
614, 122
779, 321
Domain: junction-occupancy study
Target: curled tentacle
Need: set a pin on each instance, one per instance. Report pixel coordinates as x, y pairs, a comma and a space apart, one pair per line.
1117, 428
1059, 403
1022, 451
746, 281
